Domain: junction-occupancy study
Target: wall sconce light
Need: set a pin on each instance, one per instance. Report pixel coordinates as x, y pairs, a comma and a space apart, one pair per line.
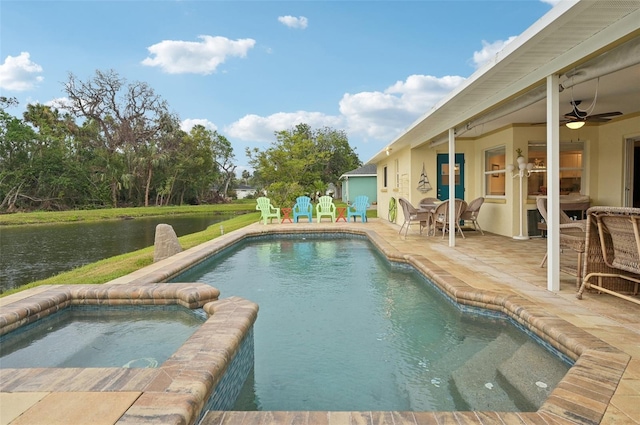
388, 150
524, 170
574, 125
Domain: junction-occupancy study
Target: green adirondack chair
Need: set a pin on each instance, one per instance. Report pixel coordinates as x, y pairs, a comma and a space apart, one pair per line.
302, 208
359, 208
326, 207
268, 211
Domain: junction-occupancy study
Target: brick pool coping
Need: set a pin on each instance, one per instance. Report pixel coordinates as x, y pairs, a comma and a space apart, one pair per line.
176, 391
175, 394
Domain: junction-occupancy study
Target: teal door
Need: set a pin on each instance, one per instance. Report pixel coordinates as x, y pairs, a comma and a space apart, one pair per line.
443, 176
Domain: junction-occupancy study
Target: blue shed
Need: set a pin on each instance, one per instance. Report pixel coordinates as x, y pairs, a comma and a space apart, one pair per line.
361, 181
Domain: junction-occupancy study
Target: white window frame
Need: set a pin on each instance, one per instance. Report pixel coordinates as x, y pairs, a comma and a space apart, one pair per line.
489, 172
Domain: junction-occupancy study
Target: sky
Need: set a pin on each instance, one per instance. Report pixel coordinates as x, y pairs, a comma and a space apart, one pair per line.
248, 69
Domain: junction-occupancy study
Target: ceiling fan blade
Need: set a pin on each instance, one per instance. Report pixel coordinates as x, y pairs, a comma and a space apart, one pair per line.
606, 114
597, 119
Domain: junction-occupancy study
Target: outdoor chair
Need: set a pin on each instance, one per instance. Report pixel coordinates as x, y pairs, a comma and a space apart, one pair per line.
326, 208
541, 202
428, 203
302, 208
612, 261
412, 215
471, 213
441, 216
572, 236
268, 211
358, 208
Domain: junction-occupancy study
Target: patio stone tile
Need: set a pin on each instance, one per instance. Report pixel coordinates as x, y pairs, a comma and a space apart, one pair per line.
615, 416
630, 404
78, 408
14, 404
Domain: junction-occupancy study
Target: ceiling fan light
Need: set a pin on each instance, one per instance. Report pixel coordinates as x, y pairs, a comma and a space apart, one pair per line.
574, 125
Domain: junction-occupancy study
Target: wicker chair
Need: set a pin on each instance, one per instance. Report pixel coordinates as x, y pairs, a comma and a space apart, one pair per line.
429, 203
572, 236
471, 213
612, 261
413, 215
441, 216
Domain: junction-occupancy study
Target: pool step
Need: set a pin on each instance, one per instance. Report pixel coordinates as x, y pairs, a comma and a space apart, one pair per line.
536, 381
476, 381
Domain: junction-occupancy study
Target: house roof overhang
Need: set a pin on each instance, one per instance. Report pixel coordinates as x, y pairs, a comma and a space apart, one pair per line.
568, 36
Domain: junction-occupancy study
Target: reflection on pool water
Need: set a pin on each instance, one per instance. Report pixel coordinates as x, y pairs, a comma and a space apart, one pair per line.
341, 328
100, 336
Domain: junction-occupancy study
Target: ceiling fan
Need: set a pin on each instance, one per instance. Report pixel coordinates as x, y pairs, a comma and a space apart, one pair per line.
577, 117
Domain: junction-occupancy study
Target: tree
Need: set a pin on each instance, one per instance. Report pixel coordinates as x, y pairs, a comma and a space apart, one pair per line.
128, 115
223, 157
124, 148
16, 145
302, 161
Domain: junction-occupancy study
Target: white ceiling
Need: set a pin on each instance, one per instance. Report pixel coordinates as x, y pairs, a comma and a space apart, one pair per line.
619, 91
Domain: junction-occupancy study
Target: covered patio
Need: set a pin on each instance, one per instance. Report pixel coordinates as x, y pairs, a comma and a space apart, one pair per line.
579, 64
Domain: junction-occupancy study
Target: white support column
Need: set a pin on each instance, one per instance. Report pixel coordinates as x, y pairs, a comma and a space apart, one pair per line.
553, 183
452, 187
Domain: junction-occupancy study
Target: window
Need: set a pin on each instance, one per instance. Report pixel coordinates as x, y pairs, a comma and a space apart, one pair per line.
571, 168
384, 177
494, 172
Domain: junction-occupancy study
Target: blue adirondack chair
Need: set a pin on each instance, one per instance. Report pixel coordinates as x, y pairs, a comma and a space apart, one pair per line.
359, 208
268, 211
302, 208
326, 207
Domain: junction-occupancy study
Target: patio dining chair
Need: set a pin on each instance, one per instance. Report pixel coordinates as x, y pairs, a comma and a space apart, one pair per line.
428, 203
471, 213
612, 260
412, 215
441, 216
572, 236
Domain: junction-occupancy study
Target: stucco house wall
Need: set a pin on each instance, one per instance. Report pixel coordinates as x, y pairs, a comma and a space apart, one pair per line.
603, 171
608, 160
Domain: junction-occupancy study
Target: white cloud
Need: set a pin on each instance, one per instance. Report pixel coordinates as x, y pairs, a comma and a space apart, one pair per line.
261, 129
368, 115
489, 50
188, 124
62, 104
202, 57
19, 73
293, 22
383, 115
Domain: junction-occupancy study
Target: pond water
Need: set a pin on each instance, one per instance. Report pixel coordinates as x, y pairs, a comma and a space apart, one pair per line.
100, 337
341, 328
34, 252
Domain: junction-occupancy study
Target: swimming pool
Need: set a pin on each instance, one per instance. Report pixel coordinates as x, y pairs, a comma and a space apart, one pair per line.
319, 347
100, 336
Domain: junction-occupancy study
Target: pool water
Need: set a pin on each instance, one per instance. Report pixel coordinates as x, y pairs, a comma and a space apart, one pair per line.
341, 328
100, 337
